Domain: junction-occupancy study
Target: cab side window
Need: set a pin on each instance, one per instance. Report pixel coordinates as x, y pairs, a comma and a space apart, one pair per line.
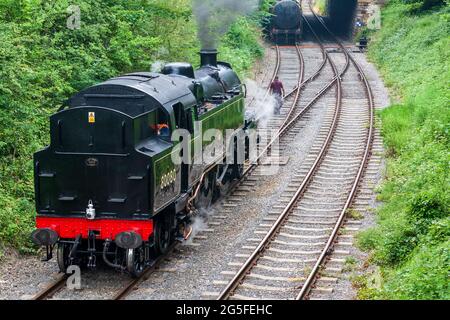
163, 125
158, 123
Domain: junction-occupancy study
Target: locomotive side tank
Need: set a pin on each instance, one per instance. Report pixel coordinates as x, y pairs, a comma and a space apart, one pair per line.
286, 22
107, 184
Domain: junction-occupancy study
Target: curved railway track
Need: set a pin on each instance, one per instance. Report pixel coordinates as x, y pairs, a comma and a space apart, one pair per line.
362, 166
57, 284
302, 236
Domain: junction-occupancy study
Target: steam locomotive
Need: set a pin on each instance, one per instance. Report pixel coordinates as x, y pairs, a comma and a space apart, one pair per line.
286, 23
107, 186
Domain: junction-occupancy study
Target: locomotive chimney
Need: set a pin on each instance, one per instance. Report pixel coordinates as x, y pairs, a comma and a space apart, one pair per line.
208, 57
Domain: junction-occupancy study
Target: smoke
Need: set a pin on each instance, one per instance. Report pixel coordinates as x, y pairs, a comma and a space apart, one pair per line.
199, 223
157, 66
262, 108
214, 18
159, 59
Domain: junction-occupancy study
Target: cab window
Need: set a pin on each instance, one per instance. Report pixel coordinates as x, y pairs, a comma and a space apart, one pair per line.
158, 123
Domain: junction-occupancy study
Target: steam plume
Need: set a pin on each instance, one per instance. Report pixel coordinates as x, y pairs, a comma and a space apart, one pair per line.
263, 106
199, 223
214, 18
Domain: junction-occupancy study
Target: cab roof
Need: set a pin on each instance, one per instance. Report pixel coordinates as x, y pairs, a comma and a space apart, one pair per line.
136, 93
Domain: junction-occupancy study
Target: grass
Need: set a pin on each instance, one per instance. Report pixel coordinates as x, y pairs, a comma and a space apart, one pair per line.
410, 243
349, 264
354, 214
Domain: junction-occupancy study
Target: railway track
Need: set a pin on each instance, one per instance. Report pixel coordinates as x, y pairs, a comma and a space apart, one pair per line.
60, 282
300, 238
57, 284
299, 102
134, 283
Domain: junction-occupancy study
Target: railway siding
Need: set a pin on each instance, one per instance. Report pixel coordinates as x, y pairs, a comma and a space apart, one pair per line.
349, 262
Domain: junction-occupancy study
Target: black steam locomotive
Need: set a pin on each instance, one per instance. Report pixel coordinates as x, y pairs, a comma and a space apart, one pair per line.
286, 23
108, 186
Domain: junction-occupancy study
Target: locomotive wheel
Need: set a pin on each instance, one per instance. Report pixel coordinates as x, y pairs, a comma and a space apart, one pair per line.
162, 236
62, 256
135, 261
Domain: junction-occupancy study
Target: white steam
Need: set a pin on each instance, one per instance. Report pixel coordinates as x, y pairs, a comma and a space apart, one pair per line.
157, 66
199, 223
261, 107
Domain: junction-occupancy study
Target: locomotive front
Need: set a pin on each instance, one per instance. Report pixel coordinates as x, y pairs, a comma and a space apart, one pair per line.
287, 22
107, 184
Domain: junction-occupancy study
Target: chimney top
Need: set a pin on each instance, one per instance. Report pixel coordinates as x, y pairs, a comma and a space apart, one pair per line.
208, 57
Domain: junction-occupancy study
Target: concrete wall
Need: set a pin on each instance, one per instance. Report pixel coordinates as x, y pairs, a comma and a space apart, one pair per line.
342, 14
363, 5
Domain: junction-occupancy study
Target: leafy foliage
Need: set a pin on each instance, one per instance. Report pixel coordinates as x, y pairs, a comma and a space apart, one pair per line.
264, 16
43, 63
411, 241
240, 39
418, 6
320, 6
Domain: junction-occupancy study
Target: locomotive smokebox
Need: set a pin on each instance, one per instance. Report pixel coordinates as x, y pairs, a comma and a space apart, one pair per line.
208, 57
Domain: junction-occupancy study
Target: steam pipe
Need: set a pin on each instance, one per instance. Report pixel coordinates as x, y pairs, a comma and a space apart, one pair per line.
105, 258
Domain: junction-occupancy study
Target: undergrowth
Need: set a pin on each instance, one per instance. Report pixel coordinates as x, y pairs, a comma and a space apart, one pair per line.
411, 240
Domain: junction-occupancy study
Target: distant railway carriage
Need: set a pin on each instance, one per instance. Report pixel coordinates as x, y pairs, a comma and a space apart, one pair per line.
287, 26
107, 186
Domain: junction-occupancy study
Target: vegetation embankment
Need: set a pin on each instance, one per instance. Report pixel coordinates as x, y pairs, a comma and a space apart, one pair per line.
320, 6
43, 62
411, 242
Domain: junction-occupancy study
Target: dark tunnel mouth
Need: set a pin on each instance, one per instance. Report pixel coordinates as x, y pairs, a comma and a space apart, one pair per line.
340, 18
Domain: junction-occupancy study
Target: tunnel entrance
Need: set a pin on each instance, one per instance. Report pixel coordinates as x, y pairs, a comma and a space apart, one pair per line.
340, 17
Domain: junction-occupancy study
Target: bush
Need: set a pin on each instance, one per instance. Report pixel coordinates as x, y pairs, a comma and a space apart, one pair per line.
425, 207
417, 6
410, 242
243, 38
320, 6
424, 276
